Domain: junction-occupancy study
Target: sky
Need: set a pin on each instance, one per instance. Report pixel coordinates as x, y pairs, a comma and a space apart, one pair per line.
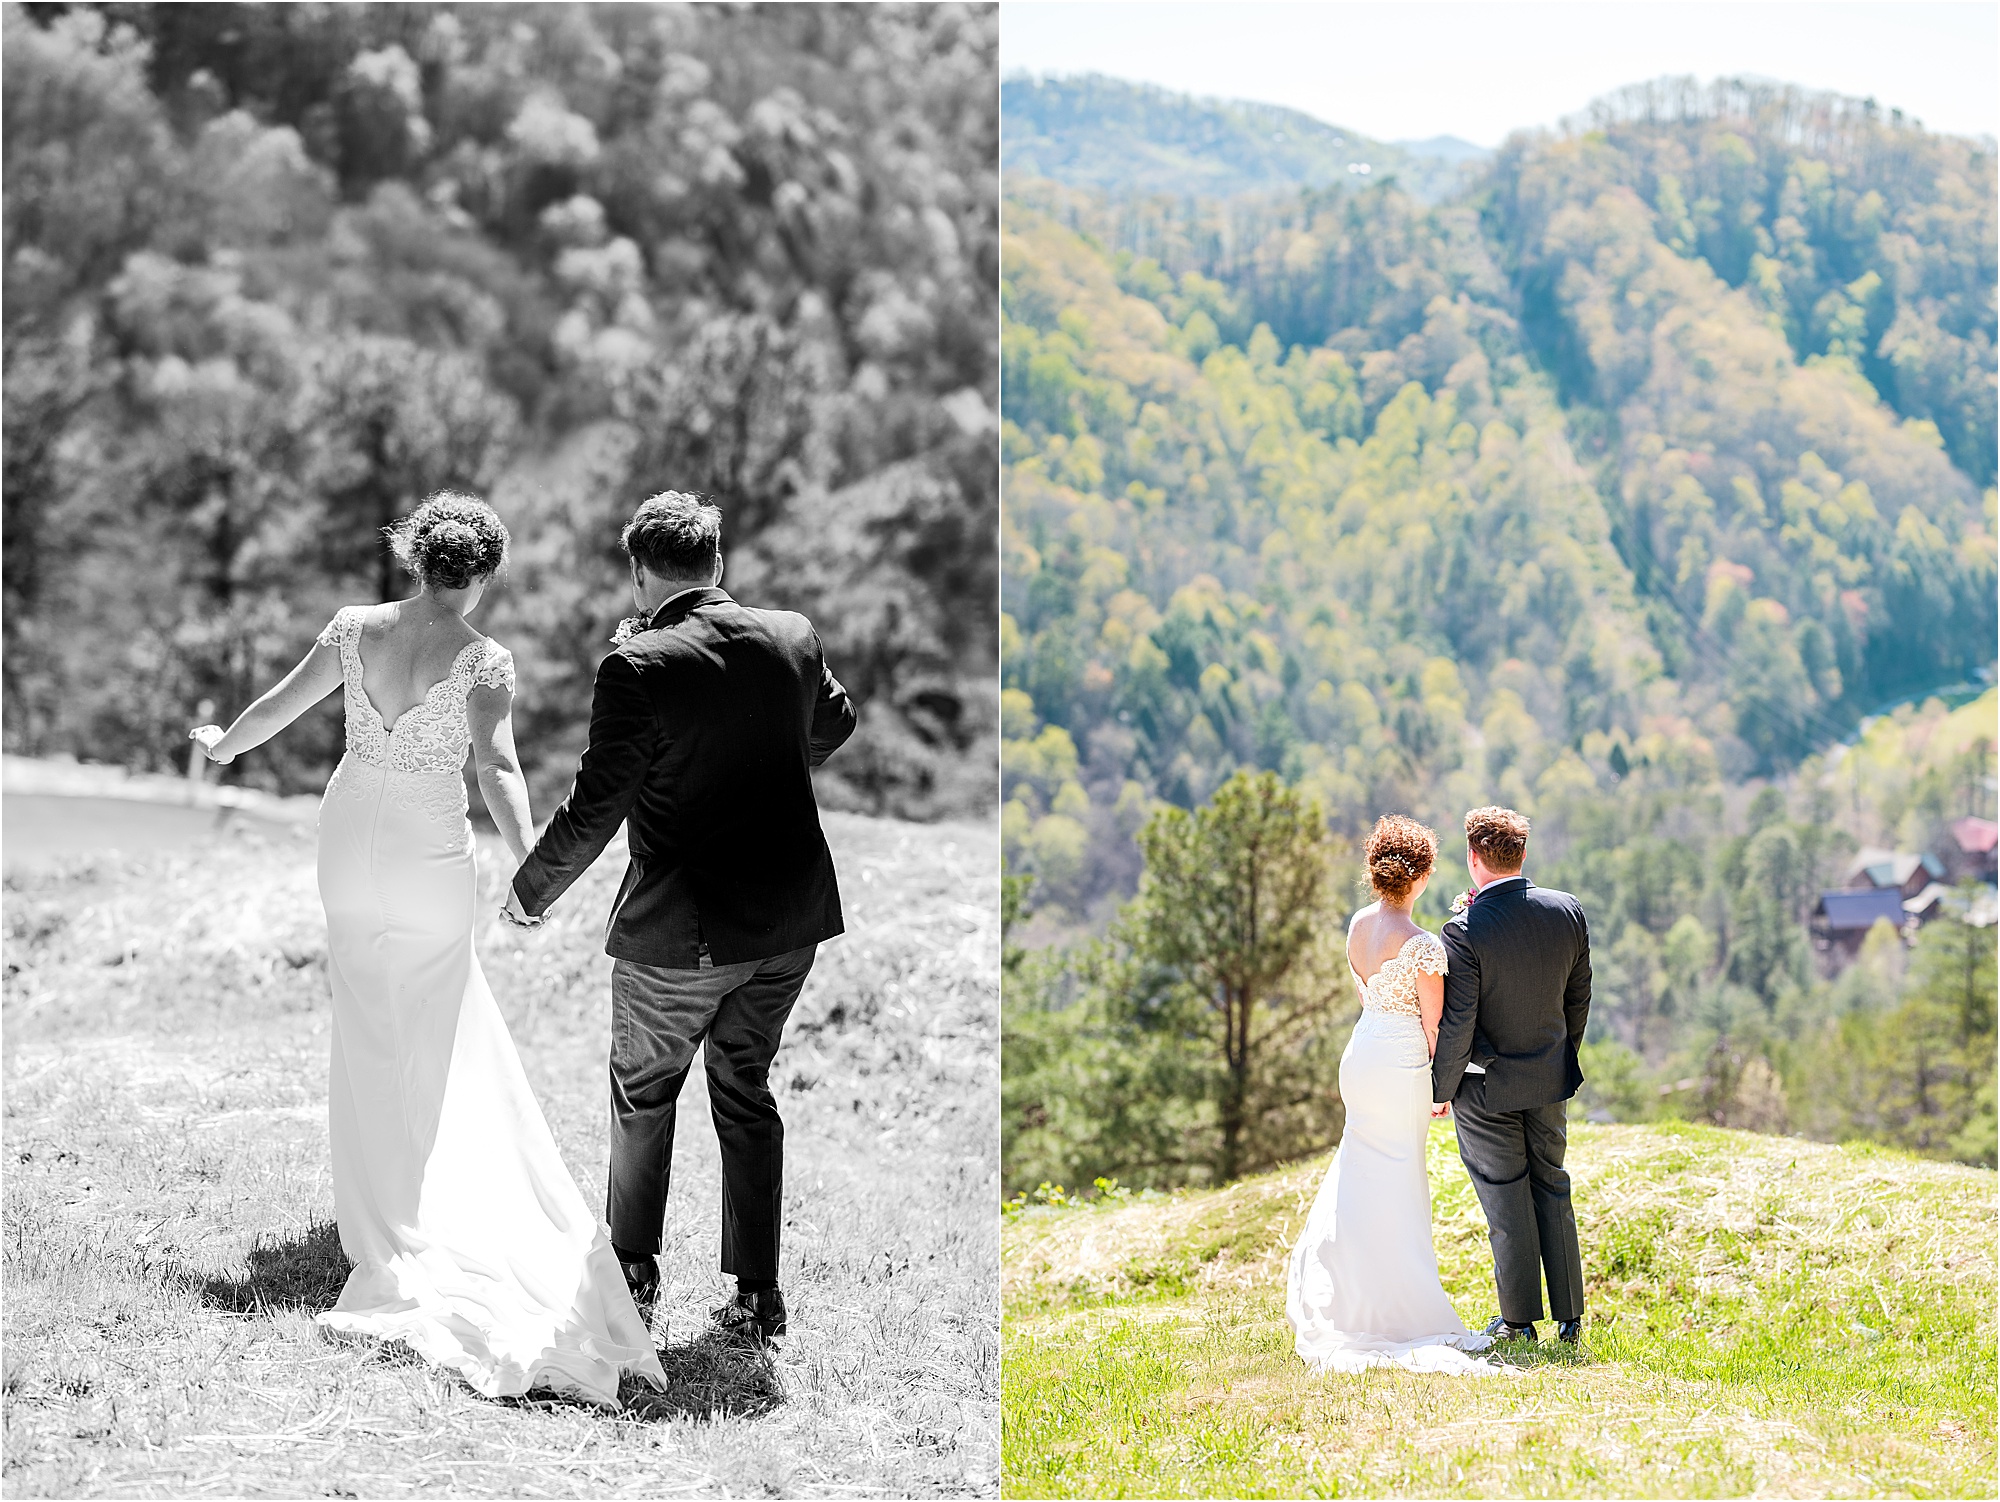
1478, 69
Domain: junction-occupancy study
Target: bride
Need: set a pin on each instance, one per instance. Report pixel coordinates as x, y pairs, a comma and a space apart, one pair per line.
469, 1239
1364, 1287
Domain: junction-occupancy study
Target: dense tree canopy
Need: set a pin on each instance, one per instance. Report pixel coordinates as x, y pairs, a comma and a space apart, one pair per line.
1597, 490
272, 272
1421, 505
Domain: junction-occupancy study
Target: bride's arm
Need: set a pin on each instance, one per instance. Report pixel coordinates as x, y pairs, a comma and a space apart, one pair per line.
489, 714
1430, 1006
316, 676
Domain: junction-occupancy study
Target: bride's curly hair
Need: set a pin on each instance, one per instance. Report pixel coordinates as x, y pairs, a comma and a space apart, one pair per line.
450, 540
1400, 854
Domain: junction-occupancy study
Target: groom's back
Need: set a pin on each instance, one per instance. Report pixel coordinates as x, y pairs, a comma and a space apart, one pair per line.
734, 689
1527, 940
725, 829
1529, 947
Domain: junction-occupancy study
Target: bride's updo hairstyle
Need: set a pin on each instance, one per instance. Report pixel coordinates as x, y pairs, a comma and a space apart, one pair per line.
450, 540
1400, 854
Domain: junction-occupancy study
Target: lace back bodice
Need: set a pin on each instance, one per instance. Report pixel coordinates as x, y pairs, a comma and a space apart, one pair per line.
1394, 988
429, 737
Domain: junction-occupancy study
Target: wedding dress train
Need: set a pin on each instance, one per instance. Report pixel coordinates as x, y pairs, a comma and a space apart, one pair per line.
470, 1239
1363, 1289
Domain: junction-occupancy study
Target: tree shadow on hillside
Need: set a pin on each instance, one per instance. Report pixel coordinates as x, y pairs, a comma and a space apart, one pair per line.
304, 1272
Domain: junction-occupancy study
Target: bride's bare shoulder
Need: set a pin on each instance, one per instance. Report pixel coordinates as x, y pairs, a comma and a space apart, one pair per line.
371, 618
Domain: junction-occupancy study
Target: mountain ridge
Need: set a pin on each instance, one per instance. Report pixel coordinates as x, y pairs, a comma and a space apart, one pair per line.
1744, 350
1097, 131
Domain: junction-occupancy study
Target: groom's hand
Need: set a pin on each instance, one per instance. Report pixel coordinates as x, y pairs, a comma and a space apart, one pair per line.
511, 911
1441, 1110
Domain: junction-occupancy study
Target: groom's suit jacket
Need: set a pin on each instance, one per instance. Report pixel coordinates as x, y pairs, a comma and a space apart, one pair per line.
1516, 997
704, 730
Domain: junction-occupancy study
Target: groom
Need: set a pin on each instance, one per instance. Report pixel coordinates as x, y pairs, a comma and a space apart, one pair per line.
705, 726
1516, 997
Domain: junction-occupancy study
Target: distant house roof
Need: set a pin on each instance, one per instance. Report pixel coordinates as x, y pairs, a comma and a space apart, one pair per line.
1975, 836
1892, 868
1927, 899
1858, 910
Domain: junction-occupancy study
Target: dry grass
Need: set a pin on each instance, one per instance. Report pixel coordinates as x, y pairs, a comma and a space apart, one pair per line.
168, 1203
1768, 1317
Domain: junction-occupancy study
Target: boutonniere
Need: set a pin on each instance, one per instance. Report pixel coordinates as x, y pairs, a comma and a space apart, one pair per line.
1460, 903
628, 628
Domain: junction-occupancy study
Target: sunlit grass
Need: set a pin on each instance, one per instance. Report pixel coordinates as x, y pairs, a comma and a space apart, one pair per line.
1766, 1317
168, 1207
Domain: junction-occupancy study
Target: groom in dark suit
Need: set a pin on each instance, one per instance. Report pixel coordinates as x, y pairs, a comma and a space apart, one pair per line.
1516, 997
705, 726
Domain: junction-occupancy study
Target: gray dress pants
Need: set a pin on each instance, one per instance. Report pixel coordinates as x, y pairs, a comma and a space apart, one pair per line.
1515, 1159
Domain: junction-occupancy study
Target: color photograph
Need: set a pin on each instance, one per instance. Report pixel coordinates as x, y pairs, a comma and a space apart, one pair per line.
1498, 638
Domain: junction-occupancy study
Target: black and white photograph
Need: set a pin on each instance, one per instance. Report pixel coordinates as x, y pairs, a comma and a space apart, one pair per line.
502, 878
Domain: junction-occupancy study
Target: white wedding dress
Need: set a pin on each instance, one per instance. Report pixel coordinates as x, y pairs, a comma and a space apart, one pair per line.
469, 1237
1364, 1290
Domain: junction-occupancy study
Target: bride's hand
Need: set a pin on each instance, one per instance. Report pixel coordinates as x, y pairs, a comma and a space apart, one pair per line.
206, 736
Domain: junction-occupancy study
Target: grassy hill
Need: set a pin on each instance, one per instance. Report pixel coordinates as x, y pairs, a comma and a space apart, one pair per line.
1104, 133
168, 1201
1767, 1317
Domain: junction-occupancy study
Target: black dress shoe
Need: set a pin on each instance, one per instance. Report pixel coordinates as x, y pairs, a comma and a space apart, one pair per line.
1499, 1329
1570, 1331
642, 1281
756, 1317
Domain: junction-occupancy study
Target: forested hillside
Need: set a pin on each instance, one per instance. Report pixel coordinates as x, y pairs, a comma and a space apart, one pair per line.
1105, 133
1619, 488
274, 272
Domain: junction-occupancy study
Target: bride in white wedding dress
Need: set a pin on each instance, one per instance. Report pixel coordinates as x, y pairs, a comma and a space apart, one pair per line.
469, 1238
1364, 1288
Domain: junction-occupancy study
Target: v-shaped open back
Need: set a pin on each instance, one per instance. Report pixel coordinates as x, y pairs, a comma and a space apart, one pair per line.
432, 736
422, 701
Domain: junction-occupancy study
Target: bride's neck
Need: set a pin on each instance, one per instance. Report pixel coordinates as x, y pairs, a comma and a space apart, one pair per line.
436, 605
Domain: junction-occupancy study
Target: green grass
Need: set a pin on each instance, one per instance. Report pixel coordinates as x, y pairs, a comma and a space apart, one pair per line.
1766, 1316
168, 1205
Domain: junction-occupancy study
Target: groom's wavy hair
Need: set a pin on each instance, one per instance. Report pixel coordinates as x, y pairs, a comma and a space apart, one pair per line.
1499, 836
675, 534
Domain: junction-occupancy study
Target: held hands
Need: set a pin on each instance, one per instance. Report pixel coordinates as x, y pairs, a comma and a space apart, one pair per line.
206, 736
1440, 1110
511, 911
